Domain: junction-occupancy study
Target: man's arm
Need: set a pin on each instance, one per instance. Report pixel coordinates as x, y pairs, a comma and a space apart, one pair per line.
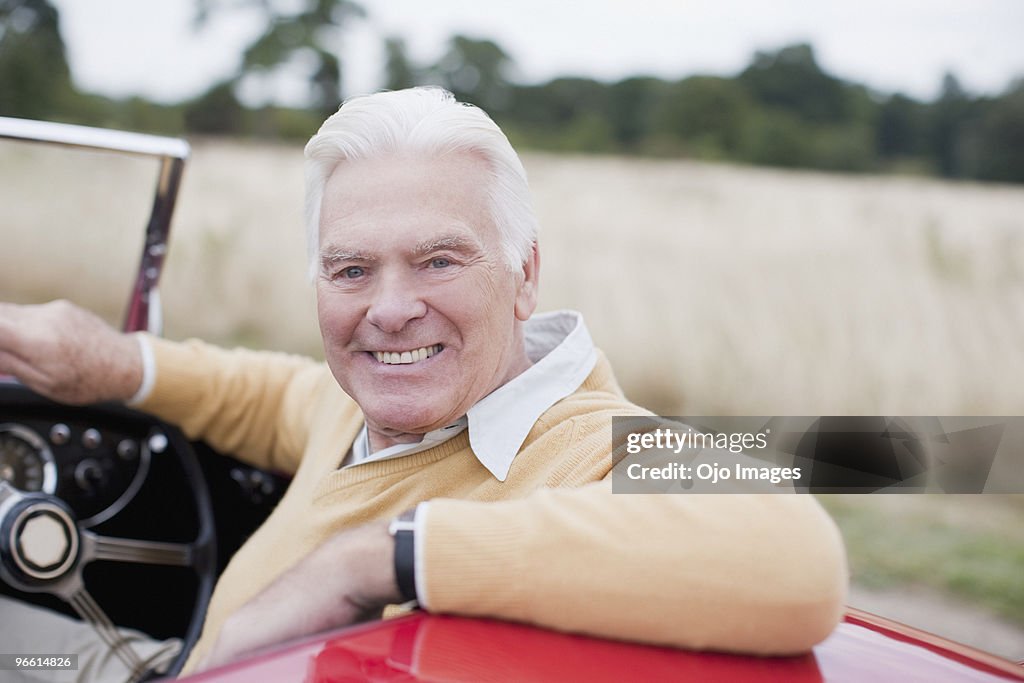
252, 404
256, 405
68, 354
753, 574
758, 574
348, 579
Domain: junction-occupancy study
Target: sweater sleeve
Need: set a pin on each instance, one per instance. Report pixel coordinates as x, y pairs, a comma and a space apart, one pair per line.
759, 574
252, 404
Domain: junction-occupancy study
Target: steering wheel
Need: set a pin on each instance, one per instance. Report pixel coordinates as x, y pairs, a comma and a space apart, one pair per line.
87, 479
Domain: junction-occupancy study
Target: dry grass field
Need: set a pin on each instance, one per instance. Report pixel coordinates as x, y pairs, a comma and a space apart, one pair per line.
714, 289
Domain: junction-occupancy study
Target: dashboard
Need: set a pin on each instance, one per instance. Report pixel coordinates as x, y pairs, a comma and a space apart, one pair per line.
95, 467
128, 475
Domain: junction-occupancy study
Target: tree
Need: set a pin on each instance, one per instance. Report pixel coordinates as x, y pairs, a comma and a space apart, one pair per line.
992, 148
791, 79
310, 36
706, 112
35, 81
631, 103
950, 115
217, 112
399, 72
902, 128
475, 71
558, 102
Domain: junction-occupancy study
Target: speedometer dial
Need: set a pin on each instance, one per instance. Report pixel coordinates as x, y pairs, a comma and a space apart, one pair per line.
25, 460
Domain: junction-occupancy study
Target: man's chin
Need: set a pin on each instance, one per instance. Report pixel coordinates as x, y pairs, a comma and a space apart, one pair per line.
405, 419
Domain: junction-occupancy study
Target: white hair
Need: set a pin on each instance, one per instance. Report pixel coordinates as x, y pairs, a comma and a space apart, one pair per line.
427, 121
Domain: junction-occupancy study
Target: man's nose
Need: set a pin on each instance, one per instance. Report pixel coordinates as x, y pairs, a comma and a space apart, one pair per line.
396, 302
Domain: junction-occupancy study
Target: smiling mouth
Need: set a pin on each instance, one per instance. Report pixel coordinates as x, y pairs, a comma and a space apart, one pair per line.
407, 357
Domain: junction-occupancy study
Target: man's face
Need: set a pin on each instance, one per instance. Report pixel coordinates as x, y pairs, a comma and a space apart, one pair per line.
418, 311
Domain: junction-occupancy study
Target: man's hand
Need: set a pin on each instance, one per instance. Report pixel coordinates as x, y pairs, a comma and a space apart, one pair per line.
350, 578
68, 354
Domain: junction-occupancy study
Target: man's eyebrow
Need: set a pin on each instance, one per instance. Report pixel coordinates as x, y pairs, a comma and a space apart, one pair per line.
329, 256
453, 242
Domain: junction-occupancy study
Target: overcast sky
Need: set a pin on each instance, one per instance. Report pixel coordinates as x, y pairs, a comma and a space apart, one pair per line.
129, 47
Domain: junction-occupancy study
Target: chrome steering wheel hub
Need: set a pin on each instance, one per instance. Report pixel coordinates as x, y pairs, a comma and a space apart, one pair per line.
43, 539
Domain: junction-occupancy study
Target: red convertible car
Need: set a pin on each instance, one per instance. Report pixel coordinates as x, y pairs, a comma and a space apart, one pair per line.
140, 521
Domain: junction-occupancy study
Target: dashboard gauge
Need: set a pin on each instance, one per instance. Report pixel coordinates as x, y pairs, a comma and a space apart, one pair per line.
25, 460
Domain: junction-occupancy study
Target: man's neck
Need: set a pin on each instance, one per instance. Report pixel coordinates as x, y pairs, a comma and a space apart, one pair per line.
379, 440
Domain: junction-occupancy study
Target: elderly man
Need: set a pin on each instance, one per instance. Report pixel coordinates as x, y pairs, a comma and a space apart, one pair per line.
449, 404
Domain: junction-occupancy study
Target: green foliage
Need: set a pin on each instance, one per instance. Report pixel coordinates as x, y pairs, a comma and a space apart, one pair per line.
847, 147
399, 72
217, 111
475, 71
585, 132
902, 127
34, 75
782, 110
288, 124
631, 104
775, 137
308, 35
558, 102
950, 118
897, 543
791, 79
993, 146
708, 113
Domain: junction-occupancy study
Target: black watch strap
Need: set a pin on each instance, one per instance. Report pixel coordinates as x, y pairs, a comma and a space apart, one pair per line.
402, 529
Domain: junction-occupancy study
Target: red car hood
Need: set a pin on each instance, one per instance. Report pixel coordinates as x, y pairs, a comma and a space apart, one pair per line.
424, 647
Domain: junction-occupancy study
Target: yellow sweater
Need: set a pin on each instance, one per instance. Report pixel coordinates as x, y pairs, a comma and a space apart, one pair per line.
551, 545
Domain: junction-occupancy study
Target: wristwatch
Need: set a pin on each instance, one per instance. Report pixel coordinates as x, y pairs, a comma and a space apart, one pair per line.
403, 529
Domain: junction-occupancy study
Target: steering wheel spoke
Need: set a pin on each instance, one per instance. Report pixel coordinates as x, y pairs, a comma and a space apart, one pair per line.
97, 547
92, 614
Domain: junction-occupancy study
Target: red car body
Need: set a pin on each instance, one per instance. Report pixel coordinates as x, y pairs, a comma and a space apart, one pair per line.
425, 647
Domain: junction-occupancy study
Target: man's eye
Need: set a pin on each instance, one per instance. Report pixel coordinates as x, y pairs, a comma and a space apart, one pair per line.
440, 263
351, 272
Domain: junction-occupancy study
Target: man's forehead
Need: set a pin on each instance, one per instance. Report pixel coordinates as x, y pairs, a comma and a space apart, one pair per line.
462, 171
461, 240
412, 204
458, 182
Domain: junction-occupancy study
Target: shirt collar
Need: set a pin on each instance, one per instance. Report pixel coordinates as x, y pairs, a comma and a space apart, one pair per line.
563, 355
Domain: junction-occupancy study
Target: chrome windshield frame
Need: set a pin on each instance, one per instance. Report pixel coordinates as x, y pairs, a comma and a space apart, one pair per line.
144, 311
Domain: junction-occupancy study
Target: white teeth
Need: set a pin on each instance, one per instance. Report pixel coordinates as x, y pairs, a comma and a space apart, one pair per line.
406, 357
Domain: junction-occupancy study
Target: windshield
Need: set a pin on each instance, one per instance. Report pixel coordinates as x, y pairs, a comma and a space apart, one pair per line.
72, 225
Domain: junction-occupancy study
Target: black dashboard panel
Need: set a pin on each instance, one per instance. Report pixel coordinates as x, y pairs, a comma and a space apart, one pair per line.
123, 474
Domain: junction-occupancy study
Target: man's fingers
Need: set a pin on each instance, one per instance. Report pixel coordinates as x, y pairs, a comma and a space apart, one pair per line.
27, 350
11, 364
21, 343
12, 327
67, 353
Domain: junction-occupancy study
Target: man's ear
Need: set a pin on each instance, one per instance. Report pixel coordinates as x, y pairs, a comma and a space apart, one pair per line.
526, 295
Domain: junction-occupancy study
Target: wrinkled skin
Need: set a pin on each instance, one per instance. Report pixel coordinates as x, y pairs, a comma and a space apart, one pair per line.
410, 259
352, 573
68, 354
